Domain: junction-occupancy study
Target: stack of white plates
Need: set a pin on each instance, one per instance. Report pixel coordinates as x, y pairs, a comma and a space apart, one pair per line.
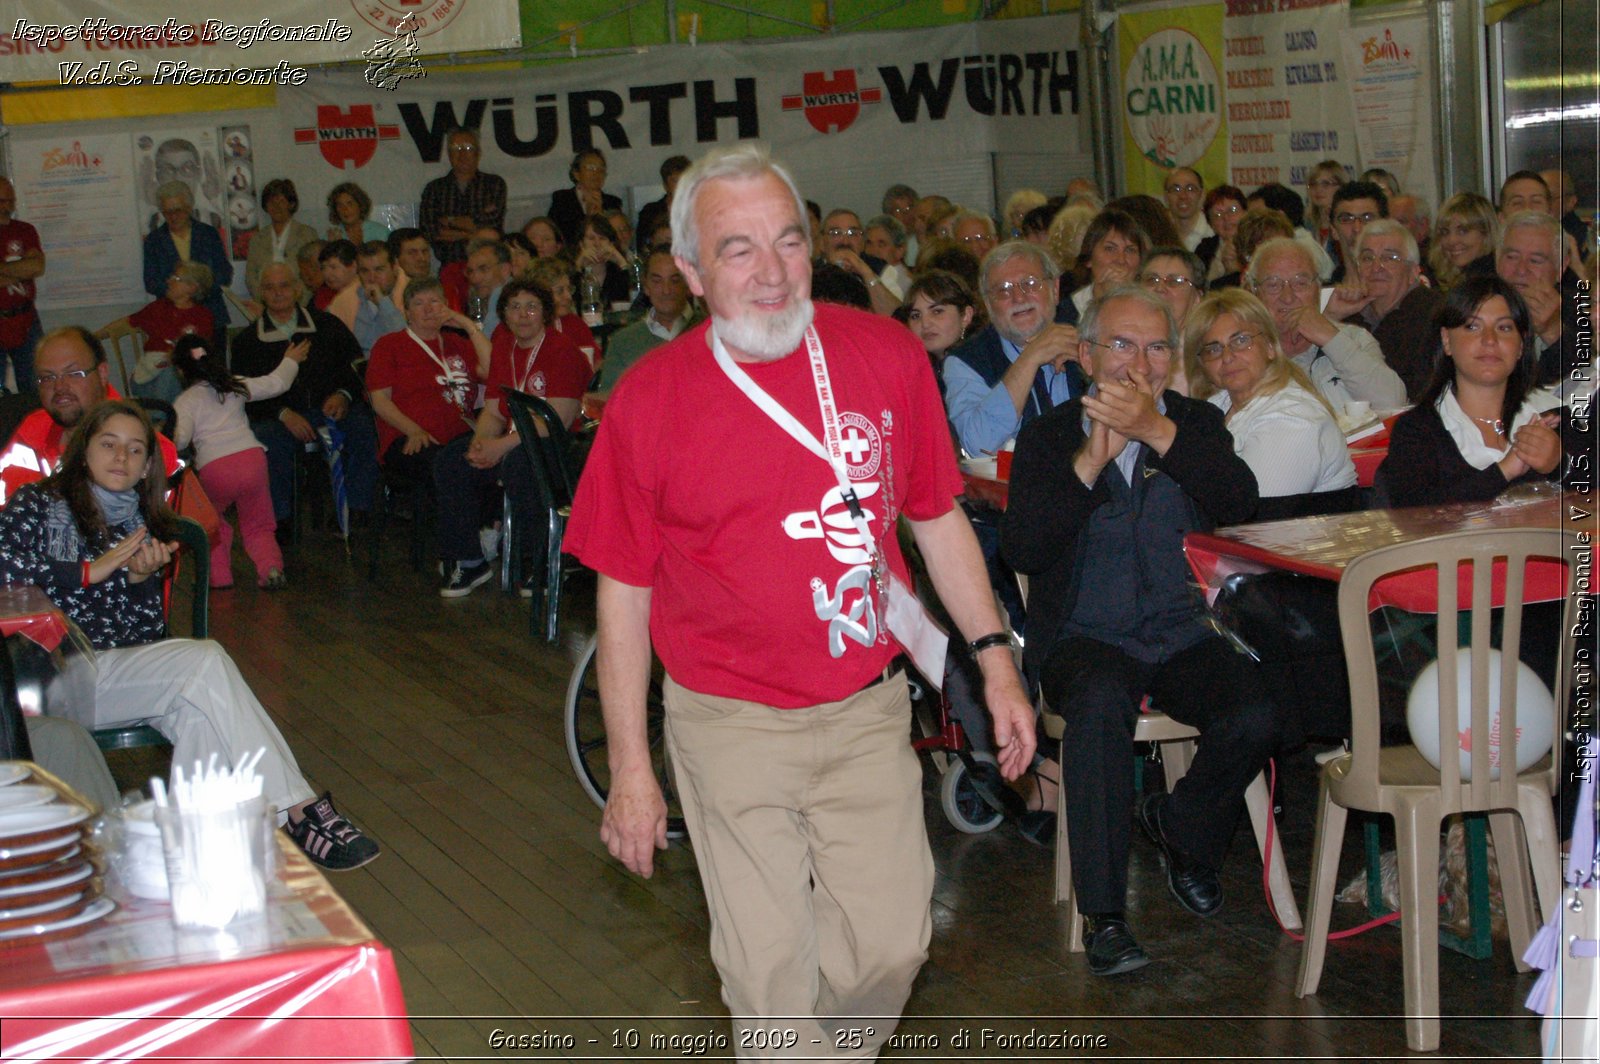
49, 881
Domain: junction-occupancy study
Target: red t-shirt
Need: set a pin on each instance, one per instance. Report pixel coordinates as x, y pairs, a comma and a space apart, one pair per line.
760, 585
575, 329
163, 324
435, 396
557, 371
321, 296
17, 315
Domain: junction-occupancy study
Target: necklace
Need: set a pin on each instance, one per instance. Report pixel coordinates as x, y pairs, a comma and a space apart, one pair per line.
1494, 423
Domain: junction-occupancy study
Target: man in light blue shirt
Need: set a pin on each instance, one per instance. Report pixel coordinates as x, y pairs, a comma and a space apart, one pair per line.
377, 311
1023, 363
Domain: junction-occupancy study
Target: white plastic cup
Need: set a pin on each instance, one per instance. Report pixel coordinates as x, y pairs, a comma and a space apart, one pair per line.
218, 862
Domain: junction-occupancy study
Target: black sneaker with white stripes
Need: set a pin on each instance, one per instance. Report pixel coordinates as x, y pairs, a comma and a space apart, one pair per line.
464, 576
331, 841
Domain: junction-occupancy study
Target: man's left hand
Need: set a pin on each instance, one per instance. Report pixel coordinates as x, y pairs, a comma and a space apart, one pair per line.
335, 406
1015, 738
1129, 409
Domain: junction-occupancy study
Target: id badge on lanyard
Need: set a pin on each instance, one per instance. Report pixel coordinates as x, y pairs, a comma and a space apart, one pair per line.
904, 615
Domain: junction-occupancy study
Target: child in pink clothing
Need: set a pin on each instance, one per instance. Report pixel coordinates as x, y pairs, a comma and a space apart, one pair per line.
231, 463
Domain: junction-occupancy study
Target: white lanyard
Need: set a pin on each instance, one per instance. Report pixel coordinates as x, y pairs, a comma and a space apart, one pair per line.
449, 377
527, 370
833, 452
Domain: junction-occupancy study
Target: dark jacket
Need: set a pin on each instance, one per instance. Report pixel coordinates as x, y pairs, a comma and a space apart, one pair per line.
568, 214
1132, 589
1425, 468
1408, 337
112, 613
327, 369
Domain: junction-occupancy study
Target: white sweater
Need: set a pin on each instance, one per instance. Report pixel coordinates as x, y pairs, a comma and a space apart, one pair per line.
218, 429
1289, 442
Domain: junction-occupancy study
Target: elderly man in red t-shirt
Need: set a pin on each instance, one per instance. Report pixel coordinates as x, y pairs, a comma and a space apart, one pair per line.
758, 559
423, 382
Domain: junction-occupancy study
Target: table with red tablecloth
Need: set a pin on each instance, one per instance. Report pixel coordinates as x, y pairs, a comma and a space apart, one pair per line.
1322, 546
306, 982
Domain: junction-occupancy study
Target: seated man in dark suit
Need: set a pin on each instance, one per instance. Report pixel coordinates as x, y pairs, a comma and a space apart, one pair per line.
1103, 490
570, 206
326, 386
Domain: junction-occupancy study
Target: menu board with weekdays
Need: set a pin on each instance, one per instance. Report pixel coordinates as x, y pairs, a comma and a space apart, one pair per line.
1287, 106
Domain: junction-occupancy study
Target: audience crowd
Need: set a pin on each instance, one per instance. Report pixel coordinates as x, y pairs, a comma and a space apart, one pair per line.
1228, 338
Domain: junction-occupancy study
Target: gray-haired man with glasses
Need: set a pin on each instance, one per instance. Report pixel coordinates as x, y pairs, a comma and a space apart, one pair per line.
1343, 361
1391, 302
1023, 363
1103, 490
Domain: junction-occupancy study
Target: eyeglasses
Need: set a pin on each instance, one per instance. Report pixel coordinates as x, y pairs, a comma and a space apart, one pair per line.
978, 238
593, 167
1156, 349
1346, 218
56, 378
1006, 291
1300, 285
1157, 281
532, 306
905, 210
176, 277
463, 149
1326, 182
1239, 341
1223, 212
852, 231
1388, 258
1191, 189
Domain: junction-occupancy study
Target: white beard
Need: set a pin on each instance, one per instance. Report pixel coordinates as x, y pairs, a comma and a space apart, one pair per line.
765, 337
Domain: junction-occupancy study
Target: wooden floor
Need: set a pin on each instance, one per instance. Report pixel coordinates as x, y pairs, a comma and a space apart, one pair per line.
437, 725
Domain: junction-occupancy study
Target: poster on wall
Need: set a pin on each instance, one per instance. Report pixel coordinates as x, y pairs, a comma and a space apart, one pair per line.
78, 191
1287, 106
1391, 96
1172, 95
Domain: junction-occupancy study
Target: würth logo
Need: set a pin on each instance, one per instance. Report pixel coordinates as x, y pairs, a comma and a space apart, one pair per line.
347, 139
831, 104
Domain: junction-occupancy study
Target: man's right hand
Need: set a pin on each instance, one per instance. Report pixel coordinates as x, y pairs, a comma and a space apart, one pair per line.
298, 426
1544, 309
1098, 451
416, 441
634, 824
1055, 345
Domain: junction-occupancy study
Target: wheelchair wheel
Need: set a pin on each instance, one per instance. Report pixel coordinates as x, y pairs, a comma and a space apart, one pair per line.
966, 811
586, 737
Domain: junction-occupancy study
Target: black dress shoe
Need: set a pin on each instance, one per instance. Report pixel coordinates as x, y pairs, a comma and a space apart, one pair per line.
1038, 827
1113, 949
1196, 887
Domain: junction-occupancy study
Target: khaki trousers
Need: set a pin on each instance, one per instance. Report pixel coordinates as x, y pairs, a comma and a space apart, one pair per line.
808, 831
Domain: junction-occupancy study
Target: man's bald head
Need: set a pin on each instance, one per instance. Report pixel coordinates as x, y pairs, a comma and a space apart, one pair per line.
70, 367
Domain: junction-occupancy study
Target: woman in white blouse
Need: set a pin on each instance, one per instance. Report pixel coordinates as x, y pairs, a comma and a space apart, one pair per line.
1281, 427
1478, 429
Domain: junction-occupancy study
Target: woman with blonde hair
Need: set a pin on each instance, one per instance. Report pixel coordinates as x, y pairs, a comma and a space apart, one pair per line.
1465, 235
1018, 204
1066, 238
1322, 181
1285, 432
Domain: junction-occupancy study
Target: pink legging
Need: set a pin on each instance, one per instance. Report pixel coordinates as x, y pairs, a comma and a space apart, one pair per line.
240, 479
